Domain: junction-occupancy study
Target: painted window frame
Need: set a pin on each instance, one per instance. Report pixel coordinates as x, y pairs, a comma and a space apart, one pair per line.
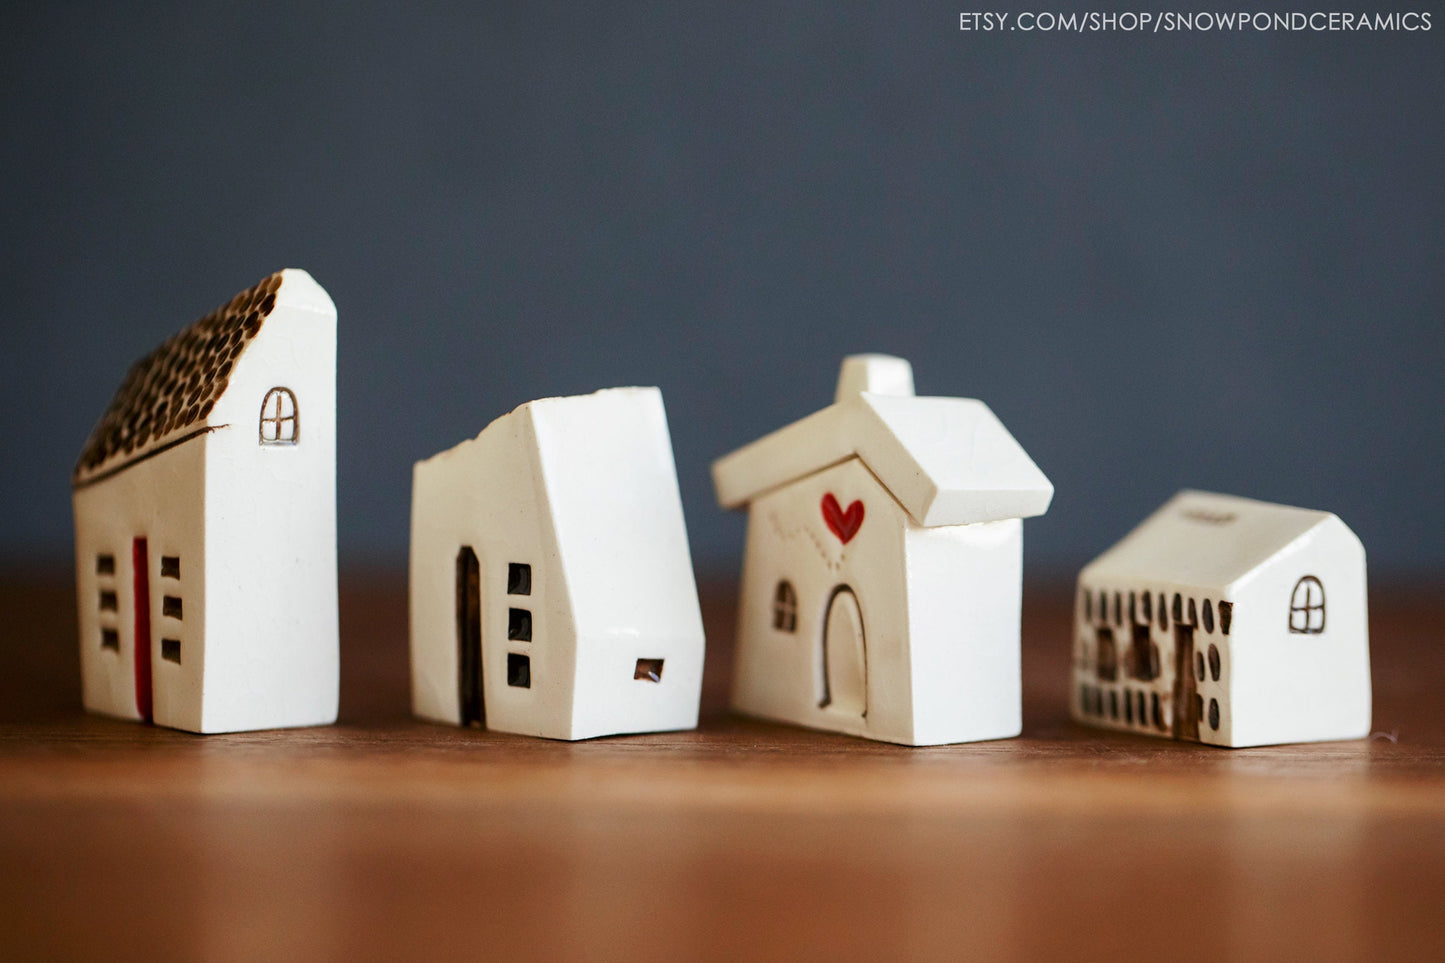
286, 426
785, 606
1303, 606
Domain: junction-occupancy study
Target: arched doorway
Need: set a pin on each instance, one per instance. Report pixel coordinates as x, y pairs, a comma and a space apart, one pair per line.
844, 656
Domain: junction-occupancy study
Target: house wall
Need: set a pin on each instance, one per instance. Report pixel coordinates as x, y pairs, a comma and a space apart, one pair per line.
778, 673
488, 494
160, 499
1290, 687
271, 632
1123, 691
964, 597
617, 518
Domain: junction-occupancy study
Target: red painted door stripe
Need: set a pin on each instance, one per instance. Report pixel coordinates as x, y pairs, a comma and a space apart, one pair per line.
140, 565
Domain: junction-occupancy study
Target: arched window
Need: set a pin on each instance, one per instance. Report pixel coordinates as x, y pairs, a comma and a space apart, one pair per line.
1307, 607
280, 420
785, 607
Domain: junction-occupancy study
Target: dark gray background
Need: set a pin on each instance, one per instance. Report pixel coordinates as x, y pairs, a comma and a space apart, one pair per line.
1165, 261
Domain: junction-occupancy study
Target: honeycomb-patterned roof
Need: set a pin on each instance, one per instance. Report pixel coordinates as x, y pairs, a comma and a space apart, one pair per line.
177, 385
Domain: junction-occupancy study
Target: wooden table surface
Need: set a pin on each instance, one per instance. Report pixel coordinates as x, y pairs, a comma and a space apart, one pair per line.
384, 837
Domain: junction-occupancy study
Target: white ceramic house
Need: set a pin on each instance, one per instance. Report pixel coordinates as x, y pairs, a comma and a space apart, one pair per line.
552, 591
881, 582
1226, 621
205, 522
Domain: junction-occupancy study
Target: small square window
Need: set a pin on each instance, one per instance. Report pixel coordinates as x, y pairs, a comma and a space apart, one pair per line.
170, 566
105, 564
648, 670
519, 625
108, 601
171, 650
519, 578
519, 670
171, 606
110, 639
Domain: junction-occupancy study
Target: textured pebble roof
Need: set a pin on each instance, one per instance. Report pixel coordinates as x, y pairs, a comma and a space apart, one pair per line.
177, 385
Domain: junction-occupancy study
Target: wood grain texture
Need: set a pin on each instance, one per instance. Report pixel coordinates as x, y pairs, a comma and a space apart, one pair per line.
383, 837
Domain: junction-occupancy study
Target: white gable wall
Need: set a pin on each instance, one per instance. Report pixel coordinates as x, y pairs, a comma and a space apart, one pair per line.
1290, 687
271, 633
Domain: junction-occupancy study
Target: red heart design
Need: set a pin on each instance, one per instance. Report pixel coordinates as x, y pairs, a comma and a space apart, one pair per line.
843, 524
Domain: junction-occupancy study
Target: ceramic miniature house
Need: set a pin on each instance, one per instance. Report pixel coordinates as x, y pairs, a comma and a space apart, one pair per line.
552, 591
1227, 621
205, 522
882, 577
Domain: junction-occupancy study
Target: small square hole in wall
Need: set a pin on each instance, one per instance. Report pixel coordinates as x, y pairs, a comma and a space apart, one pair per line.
519, 625
519, 670
107, 601
171, 650
105, 564
649, 670
110, 639
171, 607
519, 579
170, 566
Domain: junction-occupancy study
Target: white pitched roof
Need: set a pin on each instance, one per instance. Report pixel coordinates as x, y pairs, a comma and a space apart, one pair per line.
1205, 539
948, 461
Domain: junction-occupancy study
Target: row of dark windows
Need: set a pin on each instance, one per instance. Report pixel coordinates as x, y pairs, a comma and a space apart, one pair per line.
171, 607
519, 626
1102, 703
1306, 609
1142, 610
170, 565
109, 604
1137, 705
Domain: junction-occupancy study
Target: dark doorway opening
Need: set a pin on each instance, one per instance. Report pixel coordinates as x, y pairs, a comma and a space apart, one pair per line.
469, 638
1145, 654
1186, 688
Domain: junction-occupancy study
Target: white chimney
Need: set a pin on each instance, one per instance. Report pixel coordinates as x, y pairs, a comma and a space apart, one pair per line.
879, 374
